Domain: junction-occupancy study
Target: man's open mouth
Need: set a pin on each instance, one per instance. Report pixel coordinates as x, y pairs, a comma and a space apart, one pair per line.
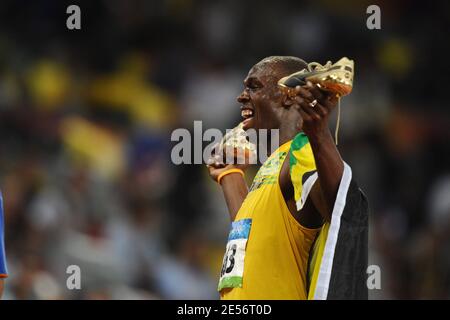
247, 115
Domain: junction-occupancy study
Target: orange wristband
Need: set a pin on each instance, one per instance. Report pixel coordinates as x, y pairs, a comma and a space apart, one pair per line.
223, 174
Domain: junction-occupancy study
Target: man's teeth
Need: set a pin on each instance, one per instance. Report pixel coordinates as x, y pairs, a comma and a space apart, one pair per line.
247, 113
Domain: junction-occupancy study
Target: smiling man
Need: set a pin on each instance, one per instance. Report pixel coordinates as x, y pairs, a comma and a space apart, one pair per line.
286, 226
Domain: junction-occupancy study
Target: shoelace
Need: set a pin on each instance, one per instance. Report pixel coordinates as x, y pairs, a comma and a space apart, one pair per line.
314, 65
338, 121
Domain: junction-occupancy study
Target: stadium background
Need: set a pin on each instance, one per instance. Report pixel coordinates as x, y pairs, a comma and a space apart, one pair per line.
86, 118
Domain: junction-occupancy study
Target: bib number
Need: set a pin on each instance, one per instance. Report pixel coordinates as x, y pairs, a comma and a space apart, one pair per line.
232, 272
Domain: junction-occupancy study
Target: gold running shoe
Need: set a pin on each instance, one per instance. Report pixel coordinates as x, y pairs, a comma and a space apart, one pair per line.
236, 143
337, 78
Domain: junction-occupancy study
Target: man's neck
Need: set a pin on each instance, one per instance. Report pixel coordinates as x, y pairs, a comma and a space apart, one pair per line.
287, 132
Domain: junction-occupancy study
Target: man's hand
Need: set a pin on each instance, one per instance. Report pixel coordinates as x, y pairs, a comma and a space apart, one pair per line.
233, 185
315, 107
216, 165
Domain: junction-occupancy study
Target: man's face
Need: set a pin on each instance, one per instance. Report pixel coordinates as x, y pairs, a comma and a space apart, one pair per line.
261, 99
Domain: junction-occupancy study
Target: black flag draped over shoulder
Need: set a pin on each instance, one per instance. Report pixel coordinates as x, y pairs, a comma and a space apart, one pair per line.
339, 257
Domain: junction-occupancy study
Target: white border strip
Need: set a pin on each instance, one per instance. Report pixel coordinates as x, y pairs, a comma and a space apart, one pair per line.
307, 186
323, 279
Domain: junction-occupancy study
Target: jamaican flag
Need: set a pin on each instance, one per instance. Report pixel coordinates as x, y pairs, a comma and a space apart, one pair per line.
339, 257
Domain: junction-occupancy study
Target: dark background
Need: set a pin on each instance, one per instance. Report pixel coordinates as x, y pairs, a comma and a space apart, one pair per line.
86, 117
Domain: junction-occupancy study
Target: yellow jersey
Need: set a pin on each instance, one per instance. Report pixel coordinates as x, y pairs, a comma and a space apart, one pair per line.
268, 250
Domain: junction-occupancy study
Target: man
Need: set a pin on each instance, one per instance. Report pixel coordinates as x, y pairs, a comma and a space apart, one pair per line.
279, 246
3, 269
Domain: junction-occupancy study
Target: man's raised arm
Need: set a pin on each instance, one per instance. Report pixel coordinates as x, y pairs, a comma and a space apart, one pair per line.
315, 107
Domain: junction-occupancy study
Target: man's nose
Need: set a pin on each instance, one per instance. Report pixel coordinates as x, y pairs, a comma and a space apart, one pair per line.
243, 97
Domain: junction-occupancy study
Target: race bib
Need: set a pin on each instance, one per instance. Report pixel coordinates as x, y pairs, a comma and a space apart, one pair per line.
233, 261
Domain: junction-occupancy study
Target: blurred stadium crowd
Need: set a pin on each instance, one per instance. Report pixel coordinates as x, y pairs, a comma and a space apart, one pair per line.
86, 118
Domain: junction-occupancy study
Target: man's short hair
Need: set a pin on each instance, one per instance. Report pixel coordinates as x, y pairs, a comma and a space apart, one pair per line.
287, 64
